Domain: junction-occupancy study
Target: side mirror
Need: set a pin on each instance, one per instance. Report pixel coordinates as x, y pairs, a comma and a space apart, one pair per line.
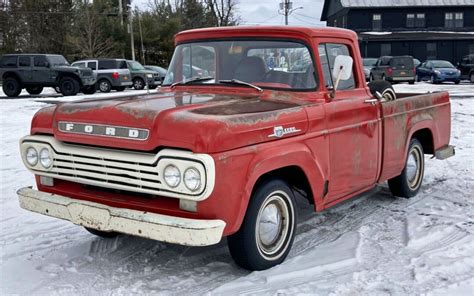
342, 69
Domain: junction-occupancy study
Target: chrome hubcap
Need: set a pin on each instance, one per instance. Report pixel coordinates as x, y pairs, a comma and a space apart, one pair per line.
413, 169
273, 225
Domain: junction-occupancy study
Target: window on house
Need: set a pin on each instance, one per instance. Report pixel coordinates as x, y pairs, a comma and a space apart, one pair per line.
420, 20
454, 20
385, 49
431, 51
376, 22
410, 20
458, 19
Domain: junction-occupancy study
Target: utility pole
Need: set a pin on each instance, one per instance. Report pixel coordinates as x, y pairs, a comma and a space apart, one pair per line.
121, 12
141, 38
286, 8
130, 27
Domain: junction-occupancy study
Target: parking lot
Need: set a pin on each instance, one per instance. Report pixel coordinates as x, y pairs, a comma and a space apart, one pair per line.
374, 243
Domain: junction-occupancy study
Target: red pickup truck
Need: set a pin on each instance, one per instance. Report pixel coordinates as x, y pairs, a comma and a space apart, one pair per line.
247, 118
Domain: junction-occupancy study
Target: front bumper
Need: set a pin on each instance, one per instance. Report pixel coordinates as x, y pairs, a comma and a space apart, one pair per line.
88, 81
176, 230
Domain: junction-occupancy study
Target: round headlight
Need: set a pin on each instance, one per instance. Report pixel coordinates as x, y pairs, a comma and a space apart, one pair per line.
172, 176
45, 158
31, 156
192, 179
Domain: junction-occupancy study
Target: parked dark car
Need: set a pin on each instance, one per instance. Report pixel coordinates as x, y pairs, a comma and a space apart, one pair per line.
112, 74
141, 76
159, 74
437, 71
466, 66
394, 69
36, 71
368, 64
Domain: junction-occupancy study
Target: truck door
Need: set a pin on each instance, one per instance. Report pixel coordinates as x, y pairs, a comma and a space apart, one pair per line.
353, 127
41, 70
24, 68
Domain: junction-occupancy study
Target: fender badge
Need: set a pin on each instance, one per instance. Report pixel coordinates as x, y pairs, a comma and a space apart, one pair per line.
279, 131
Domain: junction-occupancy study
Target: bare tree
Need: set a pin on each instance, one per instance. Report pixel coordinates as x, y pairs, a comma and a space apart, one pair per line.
88, 38
223, 12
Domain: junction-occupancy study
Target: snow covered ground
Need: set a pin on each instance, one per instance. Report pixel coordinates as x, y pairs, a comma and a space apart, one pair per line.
372, 244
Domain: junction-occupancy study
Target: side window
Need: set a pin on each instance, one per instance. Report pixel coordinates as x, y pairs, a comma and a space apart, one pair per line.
330, 51
40, 61
325, 65
92, 65
8, 62
108, 64
24, 61
198, 61
80, 65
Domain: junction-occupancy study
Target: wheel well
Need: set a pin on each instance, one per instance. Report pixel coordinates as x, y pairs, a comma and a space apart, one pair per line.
426, 139
138, 77
294, 176
12, 75
61, 76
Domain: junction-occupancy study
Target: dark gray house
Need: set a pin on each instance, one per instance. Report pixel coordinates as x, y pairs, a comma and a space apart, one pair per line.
424, 29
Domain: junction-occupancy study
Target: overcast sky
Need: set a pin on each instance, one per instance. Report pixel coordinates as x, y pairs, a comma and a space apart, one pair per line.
265, 12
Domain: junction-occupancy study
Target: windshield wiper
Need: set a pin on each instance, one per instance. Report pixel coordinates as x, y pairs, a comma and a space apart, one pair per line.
192, 80
240, 82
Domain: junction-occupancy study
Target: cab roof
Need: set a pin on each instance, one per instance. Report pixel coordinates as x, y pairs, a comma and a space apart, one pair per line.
263, 31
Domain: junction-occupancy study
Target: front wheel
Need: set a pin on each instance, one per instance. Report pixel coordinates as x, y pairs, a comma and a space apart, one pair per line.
409, 181
34, 90
69, 86
138, 84
267, 232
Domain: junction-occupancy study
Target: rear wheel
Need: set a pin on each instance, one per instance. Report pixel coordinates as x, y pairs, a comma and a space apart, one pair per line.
104, 85
409, 181
69, 86
102, 233
471, 77
267, 232
11, 87
34, 90
412, 82
457, 81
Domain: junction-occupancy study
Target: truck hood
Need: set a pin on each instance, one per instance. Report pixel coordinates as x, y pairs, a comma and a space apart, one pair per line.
199, 122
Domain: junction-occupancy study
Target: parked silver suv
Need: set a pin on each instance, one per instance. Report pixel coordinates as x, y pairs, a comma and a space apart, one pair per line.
112, 74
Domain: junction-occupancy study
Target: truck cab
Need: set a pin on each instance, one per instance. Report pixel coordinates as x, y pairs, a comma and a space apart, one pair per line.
270, 113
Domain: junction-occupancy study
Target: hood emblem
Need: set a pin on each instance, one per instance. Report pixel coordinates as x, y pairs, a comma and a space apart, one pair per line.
279, 131
102, 130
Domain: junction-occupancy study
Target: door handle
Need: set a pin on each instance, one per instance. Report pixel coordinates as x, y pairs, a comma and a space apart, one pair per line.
371, 101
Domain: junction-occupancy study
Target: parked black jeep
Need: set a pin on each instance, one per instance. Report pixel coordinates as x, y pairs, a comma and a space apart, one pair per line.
466, 66
35, 71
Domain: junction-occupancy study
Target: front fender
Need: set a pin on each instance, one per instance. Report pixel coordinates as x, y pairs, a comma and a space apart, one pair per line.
281, 156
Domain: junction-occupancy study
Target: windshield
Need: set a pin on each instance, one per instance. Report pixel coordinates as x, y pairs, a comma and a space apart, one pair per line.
271, 64
136, 66
369, 62
442, 64
57, 61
